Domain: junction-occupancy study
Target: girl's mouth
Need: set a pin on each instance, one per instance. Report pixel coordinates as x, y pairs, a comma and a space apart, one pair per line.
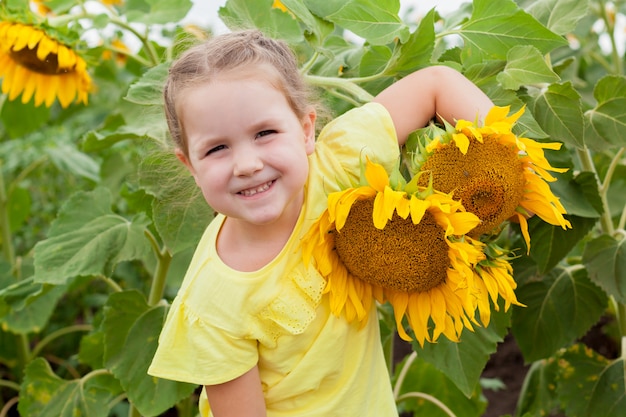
252, 191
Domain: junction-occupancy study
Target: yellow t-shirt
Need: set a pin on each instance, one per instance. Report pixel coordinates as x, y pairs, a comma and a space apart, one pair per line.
312, 363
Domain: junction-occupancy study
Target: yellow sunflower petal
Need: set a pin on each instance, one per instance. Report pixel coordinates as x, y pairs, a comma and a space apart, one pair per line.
34, 38
46, 47
461, 141
376, 176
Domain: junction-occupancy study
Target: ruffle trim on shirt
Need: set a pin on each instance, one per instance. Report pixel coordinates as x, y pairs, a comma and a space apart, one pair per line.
295, 306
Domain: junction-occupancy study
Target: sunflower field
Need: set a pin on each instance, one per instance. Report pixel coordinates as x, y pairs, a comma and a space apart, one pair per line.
98, 221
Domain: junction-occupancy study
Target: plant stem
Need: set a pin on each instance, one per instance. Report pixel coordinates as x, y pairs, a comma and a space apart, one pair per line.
610, 28
430, 398
111, 283
5, 410
346, 84
164, 258
10, 384
5, 227
56, 334
132, 411
403, 372
587, 164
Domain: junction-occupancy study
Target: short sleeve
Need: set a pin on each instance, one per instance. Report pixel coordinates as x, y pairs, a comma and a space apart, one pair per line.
195, 351
366, 131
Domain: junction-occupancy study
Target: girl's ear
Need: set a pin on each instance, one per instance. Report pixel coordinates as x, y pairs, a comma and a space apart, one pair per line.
308, 126
183, 158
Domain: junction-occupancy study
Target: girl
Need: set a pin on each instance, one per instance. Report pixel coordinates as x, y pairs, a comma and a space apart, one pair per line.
251, 322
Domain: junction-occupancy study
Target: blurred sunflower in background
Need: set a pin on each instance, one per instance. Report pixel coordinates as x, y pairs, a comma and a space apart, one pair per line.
38, 65
389, 240
496, 174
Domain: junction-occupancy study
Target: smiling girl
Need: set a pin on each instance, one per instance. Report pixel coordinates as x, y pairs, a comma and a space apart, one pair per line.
251, 321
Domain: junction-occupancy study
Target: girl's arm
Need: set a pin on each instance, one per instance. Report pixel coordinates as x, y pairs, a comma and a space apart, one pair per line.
432, 91
243, 396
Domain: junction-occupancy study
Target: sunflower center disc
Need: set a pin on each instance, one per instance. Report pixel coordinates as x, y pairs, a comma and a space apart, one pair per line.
403, 256
28, 58
488, 179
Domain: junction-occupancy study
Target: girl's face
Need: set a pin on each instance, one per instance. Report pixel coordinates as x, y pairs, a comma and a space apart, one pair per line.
247, 149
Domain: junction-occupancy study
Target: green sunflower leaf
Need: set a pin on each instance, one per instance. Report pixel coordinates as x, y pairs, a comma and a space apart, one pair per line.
260, 14
560, 16
605, 258
525, 65
87, 238
20, 119
156, 11
318, 27
496, 27
424, 378
608, 118
148, 90
463, 362
559, 308
550, 244
376, 21
131, 335
44, 394
591, 385
417, 51
558, 110
26, 306
538, 396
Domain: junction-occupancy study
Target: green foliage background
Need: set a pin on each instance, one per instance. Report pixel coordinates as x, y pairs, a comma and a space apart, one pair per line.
98, 221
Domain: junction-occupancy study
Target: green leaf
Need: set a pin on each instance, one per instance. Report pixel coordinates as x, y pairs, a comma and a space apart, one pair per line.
132, 330
525, 65
570, 190
18, 207
496, 27
44, 394
550, 244
591, 385
157, 11
559, 308
605, 258
608, 118
69, 159
424, 378
464, 362
558, 110
180, 212
375, 21
20, 119
318, 27
26, 306
120, 313
417, 51
260, 14
560, 16
148, 90
130, 121
181, 225
538, 396
87, 238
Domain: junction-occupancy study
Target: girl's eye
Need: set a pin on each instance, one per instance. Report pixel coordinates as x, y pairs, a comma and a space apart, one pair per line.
265, 133
215, 149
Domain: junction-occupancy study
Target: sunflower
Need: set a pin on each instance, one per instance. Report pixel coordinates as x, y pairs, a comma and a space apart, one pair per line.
494, 173
34, 64
388, 240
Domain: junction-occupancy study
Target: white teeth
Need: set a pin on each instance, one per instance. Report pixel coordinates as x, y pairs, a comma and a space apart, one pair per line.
259, 189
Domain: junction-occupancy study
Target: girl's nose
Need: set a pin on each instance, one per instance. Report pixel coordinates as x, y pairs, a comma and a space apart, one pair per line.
247, 162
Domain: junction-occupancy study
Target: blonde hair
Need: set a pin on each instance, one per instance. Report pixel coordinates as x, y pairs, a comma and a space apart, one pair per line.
241, 50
